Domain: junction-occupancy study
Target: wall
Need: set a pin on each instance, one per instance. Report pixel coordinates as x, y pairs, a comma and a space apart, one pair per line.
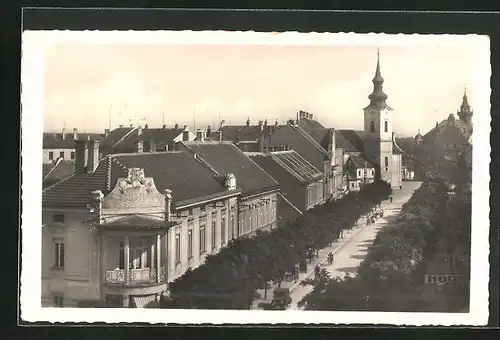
56, 155
262, 215
314, 194
191, 221
78, 279
397, 167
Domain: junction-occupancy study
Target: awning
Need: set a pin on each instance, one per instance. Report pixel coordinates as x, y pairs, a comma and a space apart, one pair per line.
148, 301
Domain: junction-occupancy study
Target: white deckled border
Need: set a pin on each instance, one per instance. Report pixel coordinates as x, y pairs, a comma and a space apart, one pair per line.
32, 67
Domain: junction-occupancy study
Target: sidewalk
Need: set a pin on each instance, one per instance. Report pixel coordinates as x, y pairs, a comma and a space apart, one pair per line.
352, 249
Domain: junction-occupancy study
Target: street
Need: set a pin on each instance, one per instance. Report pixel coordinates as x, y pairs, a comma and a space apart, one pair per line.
350, 251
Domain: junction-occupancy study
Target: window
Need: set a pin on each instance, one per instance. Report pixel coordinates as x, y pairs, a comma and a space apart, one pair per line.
61, 154
139, 254
58, 301
190, 212
72, 155
372, 126
202, 239
51, 155
386, 126
190, 244
386, 161
223, 228
121, 261
373, 172
232, 231
58, 218
203, 208
59, 254
214, 231
178, 248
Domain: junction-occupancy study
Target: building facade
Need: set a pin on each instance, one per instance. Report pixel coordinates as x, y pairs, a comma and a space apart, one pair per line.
300, 181
123, 229
258, 201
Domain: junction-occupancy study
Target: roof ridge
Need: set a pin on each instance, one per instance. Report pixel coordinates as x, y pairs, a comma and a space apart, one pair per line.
124, 137
290, 203
52, 169
59, 182
311, 140
287, 168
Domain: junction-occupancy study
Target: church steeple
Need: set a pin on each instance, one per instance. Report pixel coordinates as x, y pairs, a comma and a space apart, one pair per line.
465, 107
378, 97
465, 112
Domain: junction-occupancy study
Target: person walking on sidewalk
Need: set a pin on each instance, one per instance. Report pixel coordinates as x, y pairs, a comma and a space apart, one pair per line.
330, 258
316, 270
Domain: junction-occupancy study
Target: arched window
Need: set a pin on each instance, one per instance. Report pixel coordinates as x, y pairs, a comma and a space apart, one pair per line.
386, 126
372, 126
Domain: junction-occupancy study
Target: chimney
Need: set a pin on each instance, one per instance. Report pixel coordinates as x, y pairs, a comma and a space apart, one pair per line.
121, 126
93, 158
88, 137
106, 133
75, 133
97, 197
248, 121
63, 133
80, 156
260, 125
185, 127
176, 126
131, 125
146, 126
168, 205
139, 131
209, 131
164, 126
265, 122
185, 135
222, 123
230, 182
139, 147
200, 135
276, 123
152, 146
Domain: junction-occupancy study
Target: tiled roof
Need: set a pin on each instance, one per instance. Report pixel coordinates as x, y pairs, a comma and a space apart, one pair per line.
162, 137
367, 143
226, 158
291, 171
56, 141
360, 161
74, 191
310, 125
287, 212
300, 141
53, 173
342, 142
297, 165
114, 136
177, 171
240, 133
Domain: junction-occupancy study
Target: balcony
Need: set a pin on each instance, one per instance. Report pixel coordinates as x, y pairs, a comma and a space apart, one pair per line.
136, 277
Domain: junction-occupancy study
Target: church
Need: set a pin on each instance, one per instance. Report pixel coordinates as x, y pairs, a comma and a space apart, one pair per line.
376, 142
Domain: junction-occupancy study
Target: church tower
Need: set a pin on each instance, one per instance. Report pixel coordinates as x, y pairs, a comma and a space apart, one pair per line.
465, 112
378, 120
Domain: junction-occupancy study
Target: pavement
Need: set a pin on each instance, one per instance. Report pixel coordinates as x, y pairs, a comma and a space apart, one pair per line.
350, 250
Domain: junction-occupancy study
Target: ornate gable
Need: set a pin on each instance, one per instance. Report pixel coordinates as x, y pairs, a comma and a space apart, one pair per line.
135, 191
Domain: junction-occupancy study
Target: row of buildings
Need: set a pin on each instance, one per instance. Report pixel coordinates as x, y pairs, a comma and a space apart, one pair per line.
130, 210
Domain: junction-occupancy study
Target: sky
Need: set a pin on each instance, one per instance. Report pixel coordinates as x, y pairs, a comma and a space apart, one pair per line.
85, 84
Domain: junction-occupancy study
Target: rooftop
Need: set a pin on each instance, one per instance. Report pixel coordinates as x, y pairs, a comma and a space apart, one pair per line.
194, 181
225, 158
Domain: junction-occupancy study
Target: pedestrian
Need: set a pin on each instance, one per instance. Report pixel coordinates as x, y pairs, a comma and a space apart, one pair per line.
316, 270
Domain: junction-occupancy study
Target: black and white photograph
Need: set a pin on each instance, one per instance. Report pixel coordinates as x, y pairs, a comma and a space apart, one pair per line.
246, 177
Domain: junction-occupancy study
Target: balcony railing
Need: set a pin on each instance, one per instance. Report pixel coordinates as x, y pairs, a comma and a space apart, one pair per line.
136, 276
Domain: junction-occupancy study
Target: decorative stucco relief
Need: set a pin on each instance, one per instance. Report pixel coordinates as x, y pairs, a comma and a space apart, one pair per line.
135, 191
